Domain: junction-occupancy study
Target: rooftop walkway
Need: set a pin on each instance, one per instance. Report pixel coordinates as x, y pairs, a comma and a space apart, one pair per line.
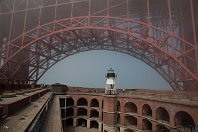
53, 122
20, 119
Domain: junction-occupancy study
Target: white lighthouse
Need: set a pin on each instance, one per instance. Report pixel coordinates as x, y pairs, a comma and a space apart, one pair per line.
110, 83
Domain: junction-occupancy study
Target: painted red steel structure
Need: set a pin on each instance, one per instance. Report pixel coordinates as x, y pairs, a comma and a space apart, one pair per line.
36, 34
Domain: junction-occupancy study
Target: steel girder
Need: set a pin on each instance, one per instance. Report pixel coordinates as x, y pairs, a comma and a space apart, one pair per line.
159, 41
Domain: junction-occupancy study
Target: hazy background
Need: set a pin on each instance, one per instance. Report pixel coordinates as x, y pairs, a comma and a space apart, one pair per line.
88, 69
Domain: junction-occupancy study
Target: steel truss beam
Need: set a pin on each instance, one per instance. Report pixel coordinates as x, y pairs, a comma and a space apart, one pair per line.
160, 44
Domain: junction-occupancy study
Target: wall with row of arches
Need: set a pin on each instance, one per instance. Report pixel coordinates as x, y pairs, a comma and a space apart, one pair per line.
130, 114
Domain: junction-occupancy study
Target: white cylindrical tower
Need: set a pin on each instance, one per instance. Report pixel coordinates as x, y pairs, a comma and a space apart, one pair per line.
110, 82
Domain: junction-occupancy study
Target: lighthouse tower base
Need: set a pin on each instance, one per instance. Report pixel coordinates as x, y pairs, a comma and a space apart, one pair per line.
110, 91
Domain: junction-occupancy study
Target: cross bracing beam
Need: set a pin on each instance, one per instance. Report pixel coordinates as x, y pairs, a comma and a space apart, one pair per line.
163, 33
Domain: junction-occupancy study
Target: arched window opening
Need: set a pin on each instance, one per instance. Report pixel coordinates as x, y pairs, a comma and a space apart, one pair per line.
62, 102
94, 114
146, 110
146, 125
63, 113
69, 122
69, 112
82, 122
82, 112
118, 106
69, 102
82, 102
183, 119
130, 121
161, 128
162, 115
118, 118
130, 108
94, 124
94, 103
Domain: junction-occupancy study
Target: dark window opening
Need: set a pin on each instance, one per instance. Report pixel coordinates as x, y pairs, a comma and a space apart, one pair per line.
93, 124
130, 121
118, 106
69, 122
146, 125
130, 108
82, 102
82, 122
63, 113
62, 102
63, 123
69, 102
183, 119
69, 112
82, 112
94, 113
162, 115
94, 103
118, 118
146, 110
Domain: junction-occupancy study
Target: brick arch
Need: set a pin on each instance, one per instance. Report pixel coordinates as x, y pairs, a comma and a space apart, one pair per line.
130, 107
69, 101
162, 114
82, 102
94, 103
183, 119
147, 110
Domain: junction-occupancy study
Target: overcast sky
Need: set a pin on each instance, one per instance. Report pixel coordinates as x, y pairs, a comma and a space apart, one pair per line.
87, 69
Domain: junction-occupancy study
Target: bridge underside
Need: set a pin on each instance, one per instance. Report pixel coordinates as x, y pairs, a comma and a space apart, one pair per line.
35, 35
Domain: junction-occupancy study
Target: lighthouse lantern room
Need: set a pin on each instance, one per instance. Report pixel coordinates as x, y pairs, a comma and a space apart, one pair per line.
110, 82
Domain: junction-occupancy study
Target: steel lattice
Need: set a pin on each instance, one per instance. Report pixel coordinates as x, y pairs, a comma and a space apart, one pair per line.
36, 34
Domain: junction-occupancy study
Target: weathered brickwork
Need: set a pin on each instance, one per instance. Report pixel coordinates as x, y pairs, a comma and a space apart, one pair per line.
130, 111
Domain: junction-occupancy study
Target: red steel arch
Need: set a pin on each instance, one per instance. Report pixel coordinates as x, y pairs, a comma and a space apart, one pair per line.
152, 31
